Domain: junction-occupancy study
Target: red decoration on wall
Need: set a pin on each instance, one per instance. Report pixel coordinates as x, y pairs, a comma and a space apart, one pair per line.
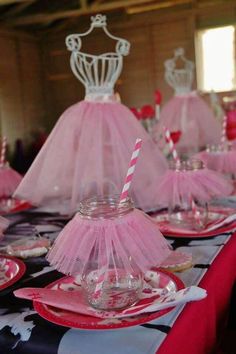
147, 112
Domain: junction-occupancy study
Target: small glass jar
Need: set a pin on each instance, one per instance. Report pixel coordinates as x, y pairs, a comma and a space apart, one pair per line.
189, 213
219, 148
219, 158
112, 286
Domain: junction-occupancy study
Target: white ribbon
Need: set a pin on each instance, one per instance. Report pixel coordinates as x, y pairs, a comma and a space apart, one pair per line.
98, 97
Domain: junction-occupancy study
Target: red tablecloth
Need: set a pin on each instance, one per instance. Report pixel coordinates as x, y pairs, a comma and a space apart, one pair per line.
198, 328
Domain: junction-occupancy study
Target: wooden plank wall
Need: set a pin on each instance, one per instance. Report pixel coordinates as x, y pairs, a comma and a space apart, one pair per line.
37, 84
21, 93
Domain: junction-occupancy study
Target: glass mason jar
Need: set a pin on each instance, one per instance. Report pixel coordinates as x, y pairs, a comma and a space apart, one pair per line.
219, 158
189, 213
112, 286
219, 148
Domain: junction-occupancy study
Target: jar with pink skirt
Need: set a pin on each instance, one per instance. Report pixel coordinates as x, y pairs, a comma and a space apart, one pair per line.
187, 188
220, 158
110, 245
188, 209
107, 281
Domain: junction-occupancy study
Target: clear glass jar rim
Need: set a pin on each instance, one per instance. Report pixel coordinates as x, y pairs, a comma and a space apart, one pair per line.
104, 207
193, 164
218, 148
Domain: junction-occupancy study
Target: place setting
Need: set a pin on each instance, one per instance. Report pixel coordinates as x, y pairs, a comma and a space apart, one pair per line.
161, 293
11, 270
113, 286
189, 189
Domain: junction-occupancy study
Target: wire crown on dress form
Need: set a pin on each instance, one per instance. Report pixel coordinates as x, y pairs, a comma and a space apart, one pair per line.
179, 79
98, 73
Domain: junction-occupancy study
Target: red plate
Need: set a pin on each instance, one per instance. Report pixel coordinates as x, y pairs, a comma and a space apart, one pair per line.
75, 320
11, 270
12, 205
169, 230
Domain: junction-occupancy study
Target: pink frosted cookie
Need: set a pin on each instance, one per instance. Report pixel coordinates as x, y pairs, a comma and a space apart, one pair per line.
29, 247
177, 261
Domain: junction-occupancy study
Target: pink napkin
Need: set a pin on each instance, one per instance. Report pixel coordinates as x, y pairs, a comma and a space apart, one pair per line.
75, 301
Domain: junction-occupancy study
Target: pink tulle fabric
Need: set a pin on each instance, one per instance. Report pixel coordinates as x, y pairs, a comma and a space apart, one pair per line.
190, 115
134, 235
9, 181
202, 185
223, 161
87, 154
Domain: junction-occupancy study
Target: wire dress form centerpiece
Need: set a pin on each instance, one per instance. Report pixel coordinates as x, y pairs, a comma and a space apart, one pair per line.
186, 111
88, 150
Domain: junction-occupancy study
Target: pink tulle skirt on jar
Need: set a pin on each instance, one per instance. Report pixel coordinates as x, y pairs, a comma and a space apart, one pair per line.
221, 161
202, 184
133, 236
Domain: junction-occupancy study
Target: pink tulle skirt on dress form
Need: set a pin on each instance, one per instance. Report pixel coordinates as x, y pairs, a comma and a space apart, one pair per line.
9, 181
134, 236
189, 114
87, 153
202, 185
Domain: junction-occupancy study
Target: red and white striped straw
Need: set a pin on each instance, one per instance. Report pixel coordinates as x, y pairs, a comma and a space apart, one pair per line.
223, 131
3, 151
131, 169
171, 145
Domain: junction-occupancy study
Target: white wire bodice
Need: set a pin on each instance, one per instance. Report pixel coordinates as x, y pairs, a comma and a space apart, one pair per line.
98, 73
179, 79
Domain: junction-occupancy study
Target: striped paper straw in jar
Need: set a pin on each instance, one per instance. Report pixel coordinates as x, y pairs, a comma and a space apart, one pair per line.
223, 131
131, 169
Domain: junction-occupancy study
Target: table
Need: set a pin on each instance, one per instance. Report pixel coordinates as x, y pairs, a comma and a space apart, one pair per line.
193, 328
198, 328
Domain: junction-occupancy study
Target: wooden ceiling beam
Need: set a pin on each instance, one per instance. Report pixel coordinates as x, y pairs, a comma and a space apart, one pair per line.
90, 9
156, 6
10, 2
17, 9
83, 4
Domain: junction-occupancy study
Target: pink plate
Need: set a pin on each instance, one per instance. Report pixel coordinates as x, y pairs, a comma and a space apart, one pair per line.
11, 270
74, 320
169, 230
12, 205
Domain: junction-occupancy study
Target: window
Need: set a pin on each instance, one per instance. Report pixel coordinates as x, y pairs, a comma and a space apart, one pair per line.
215, 59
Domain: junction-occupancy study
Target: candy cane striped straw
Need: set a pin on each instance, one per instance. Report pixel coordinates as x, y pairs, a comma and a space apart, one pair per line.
131, 169
171, 145
3, 151
223, 132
